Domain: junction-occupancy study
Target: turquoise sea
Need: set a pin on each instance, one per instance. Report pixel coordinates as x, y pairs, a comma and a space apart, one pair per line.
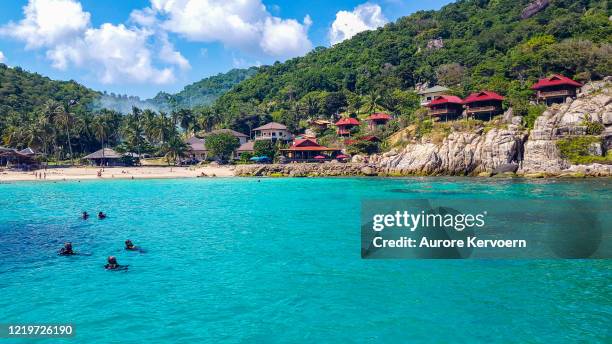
278, 261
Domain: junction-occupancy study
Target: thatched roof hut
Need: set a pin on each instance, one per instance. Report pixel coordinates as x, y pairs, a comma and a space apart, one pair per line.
105, 156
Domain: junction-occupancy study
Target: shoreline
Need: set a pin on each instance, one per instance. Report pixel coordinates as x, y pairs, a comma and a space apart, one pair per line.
111, 173
244, 171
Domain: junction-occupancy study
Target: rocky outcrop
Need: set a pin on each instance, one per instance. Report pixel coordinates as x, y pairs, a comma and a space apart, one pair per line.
504, 149
306, 170
533, 8
461, 153
593, 104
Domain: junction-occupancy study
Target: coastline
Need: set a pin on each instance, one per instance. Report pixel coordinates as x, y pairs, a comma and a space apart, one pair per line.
311, 170
111, 173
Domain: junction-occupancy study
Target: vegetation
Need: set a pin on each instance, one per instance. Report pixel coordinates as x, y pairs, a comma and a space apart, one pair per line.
265, 148
466, 46
580, 150
222, 145
362, 147
485, 45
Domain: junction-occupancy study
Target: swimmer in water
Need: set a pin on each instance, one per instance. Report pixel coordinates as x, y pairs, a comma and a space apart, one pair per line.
113, 265
101, 215
66, 250
129, 245
85, 215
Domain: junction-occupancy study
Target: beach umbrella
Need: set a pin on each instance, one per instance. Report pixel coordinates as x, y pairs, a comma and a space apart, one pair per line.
319, 157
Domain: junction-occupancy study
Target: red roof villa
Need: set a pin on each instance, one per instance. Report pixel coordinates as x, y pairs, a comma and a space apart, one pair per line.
345, 125
555, 89
483, 105
446, 107
376, 119
305, 150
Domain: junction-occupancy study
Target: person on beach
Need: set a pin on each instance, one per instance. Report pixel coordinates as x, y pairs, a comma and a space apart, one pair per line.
66, 250
101, 216
85, 215
129, 245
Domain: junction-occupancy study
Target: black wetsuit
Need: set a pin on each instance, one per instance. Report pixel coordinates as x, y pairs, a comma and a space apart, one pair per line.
65, 252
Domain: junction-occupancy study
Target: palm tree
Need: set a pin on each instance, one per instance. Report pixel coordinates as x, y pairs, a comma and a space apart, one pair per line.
186, 119
373, 100
174, 148
64, 120
100, 129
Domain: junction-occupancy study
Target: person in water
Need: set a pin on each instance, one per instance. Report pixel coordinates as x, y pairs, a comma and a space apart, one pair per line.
112, 264
85, 215
129, 245
66, 250
101, 215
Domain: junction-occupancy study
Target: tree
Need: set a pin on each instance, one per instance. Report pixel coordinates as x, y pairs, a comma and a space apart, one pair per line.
265, 148
174, 149
363, 147
222, 145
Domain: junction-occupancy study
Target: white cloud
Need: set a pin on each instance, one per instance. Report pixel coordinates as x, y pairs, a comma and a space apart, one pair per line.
243, 24
2, 57
48, 22
286, 38
363, 17
113, 53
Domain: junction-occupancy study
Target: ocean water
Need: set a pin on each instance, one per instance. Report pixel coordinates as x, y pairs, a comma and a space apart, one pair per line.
278, 261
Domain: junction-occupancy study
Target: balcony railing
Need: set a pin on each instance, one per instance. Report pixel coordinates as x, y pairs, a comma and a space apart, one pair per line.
559, 93
483, 109
435, 112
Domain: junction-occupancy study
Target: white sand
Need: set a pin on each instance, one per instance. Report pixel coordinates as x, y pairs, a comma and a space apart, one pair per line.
109, 173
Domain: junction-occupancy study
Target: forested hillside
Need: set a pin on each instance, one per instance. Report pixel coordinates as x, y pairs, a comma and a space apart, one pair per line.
499, 45
200, 93
469, 45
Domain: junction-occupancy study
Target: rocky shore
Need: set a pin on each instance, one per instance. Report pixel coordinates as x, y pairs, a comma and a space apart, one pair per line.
505, 150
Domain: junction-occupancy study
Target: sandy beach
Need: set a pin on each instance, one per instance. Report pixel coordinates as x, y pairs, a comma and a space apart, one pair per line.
109, 173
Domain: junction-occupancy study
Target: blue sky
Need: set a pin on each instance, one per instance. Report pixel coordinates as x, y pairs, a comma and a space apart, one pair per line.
140, 47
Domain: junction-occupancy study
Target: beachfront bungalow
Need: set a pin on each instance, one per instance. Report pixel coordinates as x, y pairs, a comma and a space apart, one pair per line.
445, 107
555, 89
308, 150
483, 105
196, 148
429, 94
247, 147
273, 131
104, 157
345, 125
377, 119
13, 158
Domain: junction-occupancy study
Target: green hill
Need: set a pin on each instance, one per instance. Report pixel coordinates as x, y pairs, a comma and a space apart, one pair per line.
22, 92
467, 46
200, 93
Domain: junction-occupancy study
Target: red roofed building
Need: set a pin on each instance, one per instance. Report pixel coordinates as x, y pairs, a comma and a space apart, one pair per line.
306, 149
555, 89
345, 125
376, 119
445, 107
483, 104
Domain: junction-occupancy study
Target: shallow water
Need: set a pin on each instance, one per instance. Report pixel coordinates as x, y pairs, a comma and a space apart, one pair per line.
237, 260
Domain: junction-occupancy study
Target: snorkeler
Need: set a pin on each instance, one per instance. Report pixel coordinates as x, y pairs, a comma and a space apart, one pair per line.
85, 215
129, 245
101, 215
113, 265
66, 250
